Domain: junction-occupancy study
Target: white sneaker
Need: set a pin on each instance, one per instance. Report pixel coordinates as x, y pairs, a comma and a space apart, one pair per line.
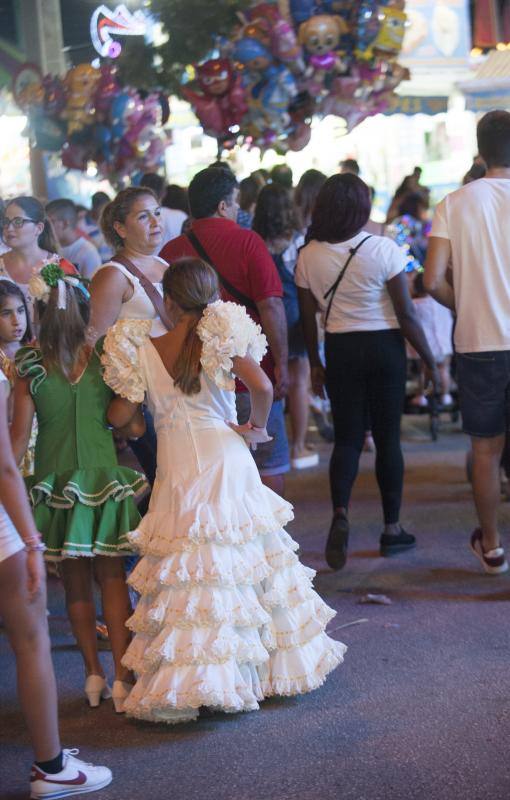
76, 777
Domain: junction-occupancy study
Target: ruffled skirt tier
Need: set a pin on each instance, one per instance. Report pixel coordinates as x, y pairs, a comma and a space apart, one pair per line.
227, 615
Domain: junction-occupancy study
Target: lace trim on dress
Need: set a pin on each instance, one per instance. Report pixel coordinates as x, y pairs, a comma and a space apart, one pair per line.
227, 331
121, 359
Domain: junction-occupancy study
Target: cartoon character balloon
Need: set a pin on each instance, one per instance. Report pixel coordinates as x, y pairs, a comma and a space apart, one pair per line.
81, 83
221, 103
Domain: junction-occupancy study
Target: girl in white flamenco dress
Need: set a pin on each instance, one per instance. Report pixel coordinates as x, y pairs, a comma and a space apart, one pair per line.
227, 614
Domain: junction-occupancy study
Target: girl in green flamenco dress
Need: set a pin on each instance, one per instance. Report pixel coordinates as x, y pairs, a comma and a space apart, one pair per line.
83, 501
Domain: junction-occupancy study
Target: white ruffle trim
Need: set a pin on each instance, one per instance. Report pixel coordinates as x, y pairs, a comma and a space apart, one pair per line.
206, 523
227, 331
121, 359
227, 615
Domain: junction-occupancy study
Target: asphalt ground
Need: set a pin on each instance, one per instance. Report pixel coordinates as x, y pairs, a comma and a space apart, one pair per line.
420, 708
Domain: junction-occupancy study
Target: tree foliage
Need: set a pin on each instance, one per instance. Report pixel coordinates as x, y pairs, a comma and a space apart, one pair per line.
193, 28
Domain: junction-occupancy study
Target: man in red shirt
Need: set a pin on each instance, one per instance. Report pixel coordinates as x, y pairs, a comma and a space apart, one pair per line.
248, 277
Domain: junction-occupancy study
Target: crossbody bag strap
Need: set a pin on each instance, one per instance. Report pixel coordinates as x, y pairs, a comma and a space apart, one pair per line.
239, 296
148, 287
332, 289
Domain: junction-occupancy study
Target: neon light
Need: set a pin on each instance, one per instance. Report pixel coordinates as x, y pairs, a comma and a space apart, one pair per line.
119, 22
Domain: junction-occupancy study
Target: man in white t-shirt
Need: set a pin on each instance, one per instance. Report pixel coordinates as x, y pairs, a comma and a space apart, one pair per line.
470, 232
75, 248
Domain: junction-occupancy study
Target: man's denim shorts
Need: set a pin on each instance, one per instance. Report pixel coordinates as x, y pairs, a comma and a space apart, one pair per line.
272, 458
484, 392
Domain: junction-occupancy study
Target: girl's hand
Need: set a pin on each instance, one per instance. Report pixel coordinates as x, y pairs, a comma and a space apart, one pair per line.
35, 573
251, 436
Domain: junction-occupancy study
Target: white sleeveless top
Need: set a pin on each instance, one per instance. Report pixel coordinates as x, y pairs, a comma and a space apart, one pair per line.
139, 306
10, 540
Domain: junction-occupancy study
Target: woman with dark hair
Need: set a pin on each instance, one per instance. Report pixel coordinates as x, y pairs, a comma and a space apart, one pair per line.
305, 195
358, 282
176, 197
28, 234
131, 224
275, 221
249, 189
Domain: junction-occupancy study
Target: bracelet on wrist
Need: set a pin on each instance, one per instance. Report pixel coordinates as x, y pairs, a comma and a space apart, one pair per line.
35, 547
255, 427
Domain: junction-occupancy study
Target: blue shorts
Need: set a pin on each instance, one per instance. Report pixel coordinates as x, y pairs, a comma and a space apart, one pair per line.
484, 392
272, 458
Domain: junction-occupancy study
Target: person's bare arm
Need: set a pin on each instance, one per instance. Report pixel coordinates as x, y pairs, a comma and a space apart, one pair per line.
308, 308
23, 418
436, 278
261, 397
408, 320
274, 325
125, 415
108, 290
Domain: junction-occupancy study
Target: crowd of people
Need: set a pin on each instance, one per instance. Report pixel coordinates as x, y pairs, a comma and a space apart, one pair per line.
184, 324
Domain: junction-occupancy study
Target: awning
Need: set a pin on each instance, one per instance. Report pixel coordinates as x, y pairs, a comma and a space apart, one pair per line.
490, 87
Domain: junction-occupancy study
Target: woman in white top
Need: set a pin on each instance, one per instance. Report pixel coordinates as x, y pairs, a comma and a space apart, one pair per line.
358, 281
131, 223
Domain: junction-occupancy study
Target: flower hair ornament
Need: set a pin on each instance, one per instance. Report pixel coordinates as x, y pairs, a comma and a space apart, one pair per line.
52, 276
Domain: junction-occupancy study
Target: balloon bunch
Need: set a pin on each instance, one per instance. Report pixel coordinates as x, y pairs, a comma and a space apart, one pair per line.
89, 117
287, 60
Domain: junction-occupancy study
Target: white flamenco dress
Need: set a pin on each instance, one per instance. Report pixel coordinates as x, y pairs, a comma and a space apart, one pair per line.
227, 614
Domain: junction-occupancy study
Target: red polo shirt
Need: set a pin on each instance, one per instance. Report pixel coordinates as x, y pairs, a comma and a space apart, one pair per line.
240, 256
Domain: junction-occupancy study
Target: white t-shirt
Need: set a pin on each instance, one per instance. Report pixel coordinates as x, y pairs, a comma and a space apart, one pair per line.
475, 220
361, 302
84, 256
171, 223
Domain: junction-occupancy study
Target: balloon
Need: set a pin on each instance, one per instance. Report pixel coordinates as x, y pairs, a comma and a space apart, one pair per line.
221, 104
107, 89
54, 95
119, 111
81, 83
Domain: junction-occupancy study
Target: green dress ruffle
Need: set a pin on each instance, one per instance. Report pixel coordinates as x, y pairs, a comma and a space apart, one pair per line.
83, 501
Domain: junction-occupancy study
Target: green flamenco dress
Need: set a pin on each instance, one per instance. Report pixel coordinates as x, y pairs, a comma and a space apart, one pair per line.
83, 501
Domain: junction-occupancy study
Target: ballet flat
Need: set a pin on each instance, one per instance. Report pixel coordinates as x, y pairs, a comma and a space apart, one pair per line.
120, 691
96, 689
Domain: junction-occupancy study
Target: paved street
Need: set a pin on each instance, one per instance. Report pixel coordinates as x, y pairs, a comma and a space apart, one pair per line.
420, 709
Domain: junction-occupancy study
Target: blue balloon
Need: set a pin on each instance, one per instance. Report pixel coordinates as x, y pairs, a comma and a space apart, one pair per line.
118, 110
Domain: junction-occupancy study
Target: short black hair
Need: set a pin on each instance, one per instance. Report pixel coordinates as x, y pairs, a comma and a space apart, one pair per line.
282, 175
155, 182
493, 134
99, 199
350, 165
412, 203
63, 209
249, 189
341, 210
208, 188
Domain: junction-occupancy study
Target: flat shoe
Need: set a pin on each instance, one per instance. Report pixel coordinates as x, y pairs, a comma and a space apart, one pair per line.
338, 539
392, 545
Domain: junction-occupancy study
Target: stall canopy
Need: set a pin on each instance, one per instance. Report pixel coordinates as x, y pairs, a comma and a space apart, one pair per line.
490, 87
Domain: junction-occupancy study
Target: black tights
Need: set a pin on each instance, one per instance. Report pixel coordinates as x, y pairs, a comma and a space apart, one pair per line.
366, 374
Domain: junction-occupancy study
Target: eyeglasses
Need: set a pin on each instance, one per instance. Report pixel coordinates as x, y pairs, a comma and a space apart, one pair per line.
16, 222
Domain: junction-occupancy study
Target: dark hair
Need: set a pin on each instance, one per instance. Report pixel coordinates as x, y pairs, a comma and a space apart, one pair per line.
309, 186
62, 332
35, 211
155, 182
192, 284
274, 213
474, 173
11, 289
350, 165
411, 204
221, 165
118, 209
249, 189
176, 197
63, 209
98, 200
282, 174
208, 188
493, 134
341, 210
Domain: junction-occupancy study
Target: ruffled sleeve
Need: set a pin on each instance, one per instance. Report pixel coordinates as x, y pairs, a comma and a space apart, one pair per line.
28, 361
121, 359
227, 331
